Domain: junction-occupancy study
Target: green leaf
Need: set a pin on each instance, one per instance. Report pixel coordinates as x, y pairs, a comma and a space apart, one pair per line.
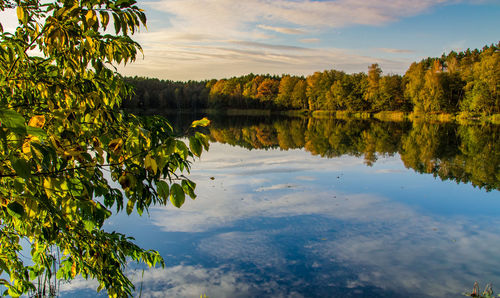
15, 209
117, 23
195, 146
202, 122
177, 196
181, 149
37, 132
89, 225
21, 167
188, 186
13, 121
163, 191
130, 207
204, 140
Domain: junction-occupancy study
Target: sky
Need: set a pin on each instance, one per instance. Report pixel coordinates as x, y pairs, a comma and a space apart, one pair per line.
205, 39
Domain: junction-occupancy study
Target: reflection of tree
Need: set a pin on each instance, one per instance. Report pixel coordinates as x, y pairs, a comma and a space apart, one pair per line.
468, 154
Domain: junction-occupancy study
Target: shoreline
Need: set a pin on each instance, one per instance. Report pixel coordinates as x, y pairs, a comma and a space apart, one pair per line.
386, 116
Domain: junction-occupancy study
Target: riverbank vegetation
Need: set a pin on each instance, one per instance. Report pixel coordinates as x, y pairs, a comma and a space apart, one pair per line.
460, 85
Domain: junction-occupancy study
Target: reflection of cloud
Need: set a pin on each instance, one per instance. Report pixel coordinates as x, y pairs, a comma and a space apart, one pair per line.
389, 171
255, 248
412, 255
276, 187
382, 244
305, 178
78, 284
356, 241
238, 175
315, 238
192, 281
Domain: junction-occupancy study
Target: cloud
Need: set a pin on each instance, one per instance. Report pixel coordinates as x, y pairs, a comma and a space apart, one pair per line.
195, 39
310, 40
233, 58
205, 39
283, 30
9, 20
261, 45
396, 51
223, 14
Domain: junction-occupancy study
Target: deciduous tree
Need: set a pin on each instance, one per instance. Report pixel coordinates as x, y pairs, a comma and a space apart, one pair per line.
63, 141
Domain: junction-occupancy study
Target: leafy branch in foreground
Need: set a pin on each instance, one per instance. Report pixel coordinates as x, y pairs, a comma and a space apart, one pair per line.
63, 140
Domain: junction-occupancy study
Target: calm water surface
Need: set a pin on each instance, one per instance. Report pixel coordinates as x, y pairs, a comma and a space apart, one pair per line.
315, 208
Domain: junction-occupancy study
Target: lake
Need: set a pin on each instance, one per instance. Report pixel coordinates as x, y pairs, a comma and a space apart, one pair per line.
302, 207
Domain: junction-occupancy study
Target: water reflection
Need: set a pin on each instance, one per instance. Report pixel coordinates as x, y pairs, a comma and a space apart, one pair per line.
283, 222
467, 154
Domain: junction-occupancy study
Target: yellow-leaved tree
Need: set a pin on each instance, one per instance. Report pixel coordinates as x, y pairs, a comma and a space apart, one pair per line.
61, 129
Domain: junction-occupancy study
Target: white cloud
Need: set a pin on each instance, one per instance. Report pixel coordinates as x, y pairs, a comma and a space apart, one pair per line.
310, 40
207, 39
224, 14
283, 30
396, 51
233, 58
8, 19
204, 39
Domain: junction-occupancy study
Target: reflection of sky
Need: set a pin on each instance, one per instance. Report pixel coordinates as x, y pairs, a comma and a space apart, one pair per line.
286, 223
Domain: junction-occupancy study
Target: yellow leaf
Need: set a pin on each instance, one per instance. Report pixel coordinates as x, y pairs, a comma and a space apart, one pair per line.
37, 121
89, 40
150, 164
73, 270
27, 147
48, 186
203, 122
20, 13
116, 145
91, 17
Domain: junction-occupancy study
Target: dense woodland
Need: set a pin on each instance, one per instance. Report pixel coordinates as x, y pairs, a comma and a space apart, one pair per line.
461, 153
467, 81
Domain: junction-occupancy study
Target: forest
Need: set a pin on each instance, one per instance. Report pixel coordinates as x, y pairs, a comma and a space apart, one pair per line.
466, 82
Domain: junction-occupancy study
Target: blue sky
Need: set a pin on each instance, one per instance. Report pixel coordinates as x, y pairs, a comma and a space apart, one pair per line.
203, 39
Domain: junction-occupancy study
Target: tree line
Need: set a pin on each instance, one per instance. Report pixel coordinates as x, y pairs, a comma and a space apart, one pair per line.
467, 81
